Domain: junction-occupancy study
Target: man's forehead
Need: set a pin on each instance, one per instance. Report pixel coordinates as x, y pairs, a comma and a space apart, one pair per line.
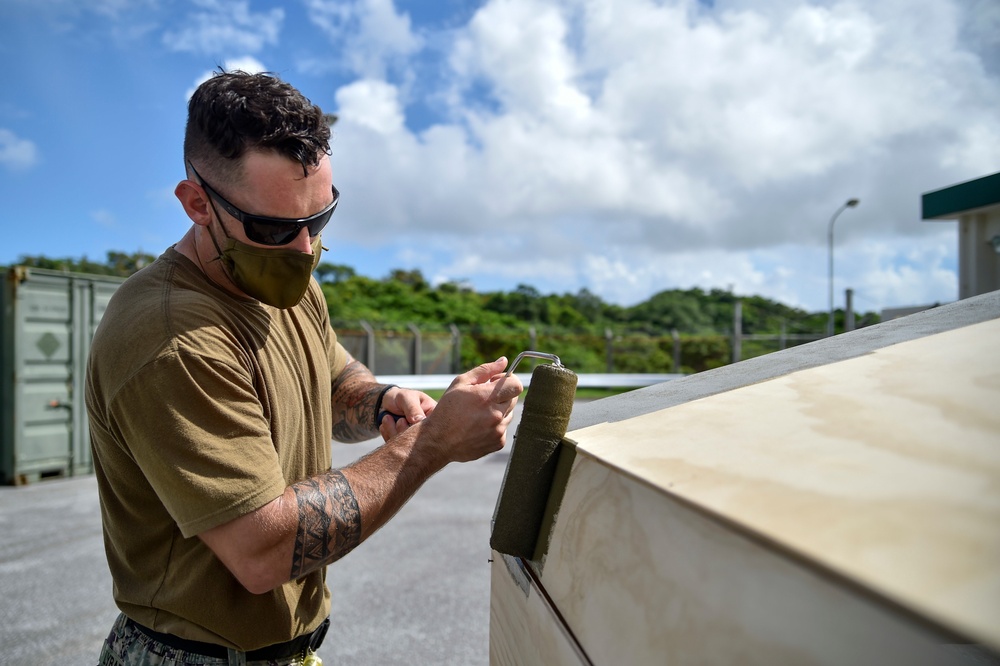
269, 165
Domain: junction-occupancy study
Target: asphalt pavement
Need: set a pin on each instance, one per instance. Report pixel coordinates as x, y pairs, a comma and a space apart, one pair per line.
416, 592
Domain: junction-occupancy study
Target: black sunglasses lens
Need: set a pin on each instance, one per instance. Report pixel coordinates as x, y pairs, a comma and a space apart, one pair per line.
317, 225
268, 233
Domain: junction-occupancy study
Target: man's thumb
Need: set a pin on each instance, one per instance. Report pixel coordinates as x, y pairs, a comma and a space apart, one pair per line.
482, 373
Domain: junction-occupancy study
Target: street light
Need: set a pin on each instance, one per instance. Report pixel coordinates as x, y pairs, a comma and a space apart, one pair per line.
850, 203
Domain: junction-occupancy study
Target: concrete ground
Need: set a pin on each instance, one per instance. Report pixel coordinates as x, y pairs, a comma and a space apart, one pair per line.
417, 592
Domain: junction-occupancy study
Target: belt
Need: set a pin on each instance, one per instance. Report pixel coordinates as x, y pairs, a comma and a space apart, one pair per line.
296, 646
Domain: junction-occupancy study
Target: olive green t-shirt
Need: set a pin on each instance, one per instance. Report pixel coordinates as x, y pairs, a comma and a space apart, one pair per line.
204, 407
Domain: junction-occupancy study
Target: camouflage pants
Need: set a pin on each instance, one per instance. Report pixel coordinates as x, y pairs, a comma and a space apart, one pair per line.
127, 646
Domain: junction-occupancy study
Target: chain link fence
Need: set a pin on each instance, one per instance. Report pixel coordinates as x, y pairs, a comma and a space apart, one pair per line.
431, 350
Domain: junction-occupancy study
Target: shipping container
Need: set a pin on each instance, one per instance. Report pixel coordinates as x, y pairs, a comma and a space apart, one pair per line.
48, 320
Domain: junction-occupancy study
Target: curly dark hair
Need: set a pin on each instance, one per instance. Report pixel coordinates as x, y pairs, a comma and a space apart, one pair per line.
234, 112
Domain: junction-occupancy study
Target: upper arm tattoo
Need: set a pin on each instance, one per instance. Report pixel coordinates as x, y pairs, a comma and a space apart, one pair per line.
329, 522
354, 395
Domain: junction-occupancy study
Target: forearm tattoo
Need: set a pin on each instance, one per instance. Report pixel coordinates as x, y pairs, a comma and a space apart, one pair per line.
329, 522
354, 395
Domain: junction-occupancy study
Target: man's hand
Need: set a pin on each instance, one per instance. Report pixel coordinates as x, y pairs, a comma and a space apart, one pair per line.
472, 417
355, 392
405, 407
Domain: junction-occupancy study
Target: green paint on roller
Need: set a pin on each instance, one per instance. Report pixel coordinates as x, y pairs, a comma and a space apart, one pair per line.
525, 491
567, 456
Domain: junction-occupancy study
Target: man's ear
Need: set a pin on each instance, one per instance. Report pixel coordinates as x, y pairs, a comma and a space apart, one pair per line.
195, 201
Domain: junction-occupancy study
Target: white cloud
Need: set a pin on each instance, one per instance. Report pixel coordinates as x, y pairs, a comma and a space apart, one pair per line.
369, 34
17, 154
980, 25
634, 146
372, 104
917, 273
520, 48
226, 25
881, 271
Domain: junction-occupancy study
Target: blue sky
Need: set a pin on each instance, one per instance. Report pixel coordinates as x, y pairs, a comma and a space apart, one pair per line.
623, 147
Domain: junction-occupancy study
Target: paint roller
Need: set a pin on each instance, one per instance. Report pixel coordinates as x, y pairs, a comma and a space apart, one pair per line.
524, 493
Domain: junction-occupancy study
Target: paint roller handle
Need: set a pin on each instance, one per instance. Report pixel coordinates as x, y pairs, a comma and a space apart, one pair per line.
534, 354
384, 413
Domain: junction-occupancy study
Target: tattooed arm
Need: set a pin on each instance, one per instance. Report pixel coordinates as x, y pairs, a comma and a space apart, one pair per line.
329, 524
320, 519
355, 394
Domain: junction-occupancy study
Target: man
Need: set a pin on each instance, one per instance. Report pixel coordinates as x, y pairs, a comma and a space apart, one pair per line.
215, 384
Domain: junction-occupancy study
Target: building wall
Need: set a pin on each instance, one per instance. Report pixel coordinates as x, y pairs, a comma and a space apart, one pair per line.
978, 260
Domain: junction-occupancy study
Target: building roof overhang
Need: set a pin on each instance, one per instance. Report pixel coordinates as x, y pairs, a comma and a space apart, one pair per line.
972, 196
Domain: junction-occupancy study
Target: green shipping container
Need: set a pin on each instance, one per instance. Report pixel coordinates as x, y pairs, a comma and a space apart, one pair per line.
48, 320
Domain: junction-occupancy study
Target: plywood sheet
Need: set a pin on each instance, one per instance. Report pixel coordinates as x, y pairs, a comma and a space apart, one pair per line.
641, 578
524, 628
884, 469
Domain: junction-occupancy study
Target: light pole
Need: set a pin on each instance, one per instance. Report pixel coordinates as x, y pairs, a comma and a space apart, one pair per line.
850, 203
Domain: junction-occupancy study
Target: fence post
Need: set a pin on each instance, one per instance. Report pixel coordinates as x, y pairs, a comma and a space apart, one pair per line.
369, 345
456, 349
415, 353
849, 312
781, 338
737, 330
533, 338
677, 349
609, 349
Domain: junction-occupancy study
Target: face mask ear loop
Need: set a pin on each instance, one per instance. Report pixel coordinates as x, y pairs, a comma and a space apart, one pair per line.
214, 210
209, 229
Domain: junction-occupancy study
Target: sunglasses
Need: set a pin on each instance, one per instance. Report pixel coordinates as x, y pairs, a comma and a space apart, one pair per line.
273, 230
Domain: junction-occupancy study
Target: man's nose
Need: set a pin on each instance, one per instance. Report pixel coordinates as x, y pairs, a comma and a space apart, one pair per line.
302, 242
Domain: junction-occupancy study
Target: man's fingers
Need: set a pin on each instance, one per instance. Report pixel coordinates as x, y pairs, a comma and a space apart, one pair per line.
506, 388
414, 405
401, 425
392, 425
414, 409
507, 417
481, 373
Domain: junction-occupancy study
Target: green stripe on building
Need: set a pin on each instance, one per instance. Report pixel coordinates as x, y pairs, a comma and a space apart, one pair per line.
950, 202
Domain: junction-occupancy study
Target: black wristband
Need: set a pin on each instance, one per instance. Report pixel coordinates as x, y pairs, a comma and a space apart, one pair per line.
378, 405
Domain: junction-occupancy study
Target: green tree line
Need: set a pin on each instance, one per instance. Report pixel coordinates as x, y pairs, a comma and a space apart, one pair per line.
120, 264
579, 327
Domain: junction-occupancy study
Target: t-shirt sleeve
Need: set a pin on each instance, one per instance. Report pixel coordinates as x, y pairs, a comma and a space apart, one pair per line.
195, 427
337, 355
335, 352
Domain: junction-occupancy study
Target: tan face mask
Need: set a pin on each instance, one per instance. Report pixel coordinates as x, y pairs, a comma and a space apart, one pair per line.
275, 276
278, 277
